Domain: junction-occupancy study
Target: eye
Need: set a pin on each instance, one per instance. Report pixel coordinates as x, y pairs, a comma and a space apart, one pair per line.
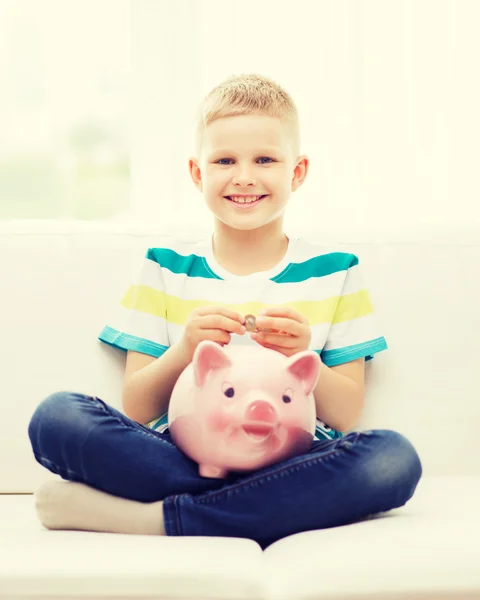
288, 396
228, 390
261, 157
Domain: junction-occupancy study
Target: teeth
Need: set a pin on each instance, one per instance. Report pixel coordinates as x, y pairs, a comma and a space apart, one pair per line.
243, 200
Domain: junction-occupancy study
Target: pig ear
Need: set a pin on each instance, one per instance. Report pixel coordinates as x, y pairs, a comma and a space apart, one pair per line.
208, 356
305, 366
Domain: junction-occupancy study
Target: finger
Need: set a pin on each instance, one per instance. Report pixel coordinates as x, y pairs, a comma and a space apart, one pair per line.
280, 349
284, 311
280, 324
216, 335
221, 322
283, 341
203, 311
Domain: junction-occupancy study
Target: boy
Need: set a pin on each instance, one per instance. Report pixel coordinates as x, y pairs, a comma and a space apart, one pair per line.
246, 166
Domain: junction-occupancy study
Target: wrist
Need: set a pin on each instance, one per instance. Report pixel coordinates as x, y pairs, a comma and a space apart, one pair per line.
183, 353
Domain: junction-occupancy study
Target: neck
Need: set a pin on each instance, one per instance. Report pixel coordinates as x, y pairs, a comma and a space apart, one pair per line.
249, 251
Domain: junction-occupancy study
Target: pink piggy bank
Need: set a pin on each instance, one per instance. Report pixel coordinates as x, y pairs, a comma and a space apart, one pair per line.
241, 408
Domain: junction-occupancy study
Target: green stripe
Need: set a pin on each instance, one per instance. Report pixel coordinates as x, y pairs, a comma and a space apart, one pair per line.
191, 265
319, 266
339, 356
125, 341
194, 266
157, 423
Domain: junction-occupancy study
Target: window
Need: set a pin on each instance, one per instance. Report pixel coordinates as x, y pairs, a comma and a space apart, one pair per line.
64, 70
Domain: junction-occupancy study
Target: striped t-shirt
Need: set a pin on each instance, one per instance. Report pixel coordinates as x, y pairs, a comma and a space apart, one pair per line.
325, 286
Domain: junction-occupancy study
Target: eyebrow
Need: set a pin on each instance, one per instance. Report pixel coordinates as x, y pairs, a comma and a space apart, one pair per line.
264, 149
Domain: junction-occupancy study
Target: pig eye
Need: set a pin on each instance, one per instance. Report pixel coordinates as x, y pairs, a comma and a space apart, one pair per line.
228, 390
287, 396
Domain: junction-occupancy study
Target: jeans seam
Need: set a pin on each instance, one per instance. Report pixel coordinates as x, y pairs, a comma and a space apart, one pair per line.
41, 459
104, 407
178, 519
171, 515
126, 425
214, 495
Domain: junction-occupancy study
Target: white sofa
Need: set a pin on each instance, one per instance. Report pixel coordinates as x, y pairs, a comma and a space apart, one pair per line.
58, 286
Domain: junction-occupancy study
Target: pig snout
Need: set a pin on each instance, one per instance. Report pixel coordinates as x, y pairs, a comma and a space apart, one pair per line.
259, 410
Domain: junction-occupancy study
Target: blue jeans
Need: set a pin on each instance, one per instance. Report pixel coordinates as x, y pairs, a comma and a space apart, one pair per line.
337, 482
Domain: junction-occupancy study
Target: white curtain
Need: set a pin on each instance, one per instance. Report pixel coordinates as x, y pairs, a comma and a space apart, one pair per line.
387, 90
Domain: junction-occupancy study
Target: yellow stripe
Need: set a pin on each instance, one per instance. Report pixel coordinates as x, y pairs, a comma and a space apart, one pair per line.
352, 306
176, 310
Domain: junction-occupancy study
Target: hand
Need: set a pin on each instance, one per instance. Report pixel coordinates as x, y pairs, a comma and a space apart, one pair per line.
214, 323
289, 330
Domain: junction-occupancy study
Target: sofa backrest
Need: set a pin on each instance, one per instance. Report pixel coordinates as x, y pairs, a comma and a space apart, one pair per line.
59, 287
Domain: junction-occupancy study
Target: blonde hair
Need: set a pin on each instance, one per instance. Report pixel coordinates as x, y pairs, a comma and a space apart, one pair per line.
249, 94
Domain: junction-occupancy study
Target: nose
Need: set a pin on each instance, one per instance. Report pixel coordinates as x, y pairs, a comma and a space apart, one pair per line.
243, 178
244, 182
259, 410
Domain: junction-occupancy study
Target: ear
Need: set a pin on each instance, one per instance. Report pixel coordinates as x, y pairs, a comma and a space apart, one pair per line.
305, 366
195, 172
208, 356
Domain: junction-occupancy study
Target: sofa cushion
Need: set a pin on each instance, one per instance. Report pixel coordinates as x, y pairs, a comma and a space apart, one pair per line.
424, 549
61, 289
35, 561
429, 548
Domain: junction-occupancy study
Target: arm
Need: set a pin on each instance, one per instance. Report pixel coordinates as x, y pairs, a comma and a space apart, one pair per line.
146, 393
339, 394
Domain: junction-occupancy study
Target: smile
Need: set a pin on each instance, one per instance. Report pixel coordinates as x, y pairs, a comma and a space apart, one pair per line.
258, 432
245, 203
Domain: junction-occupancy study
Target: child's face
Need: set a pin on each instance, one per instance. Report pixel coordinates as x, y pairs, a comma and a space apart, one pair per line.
248, 155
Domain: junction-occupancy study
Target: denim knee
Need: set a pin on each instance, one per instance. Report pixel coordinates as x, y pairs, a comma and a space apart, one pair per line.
394, 464
55, 412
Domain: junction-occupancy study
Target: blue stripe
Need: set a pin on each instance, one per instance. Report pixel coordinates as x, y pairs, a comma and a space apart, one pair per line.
331, 358
163, 420
322, 435
319, 266
191, 265
195, 266
124, 341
